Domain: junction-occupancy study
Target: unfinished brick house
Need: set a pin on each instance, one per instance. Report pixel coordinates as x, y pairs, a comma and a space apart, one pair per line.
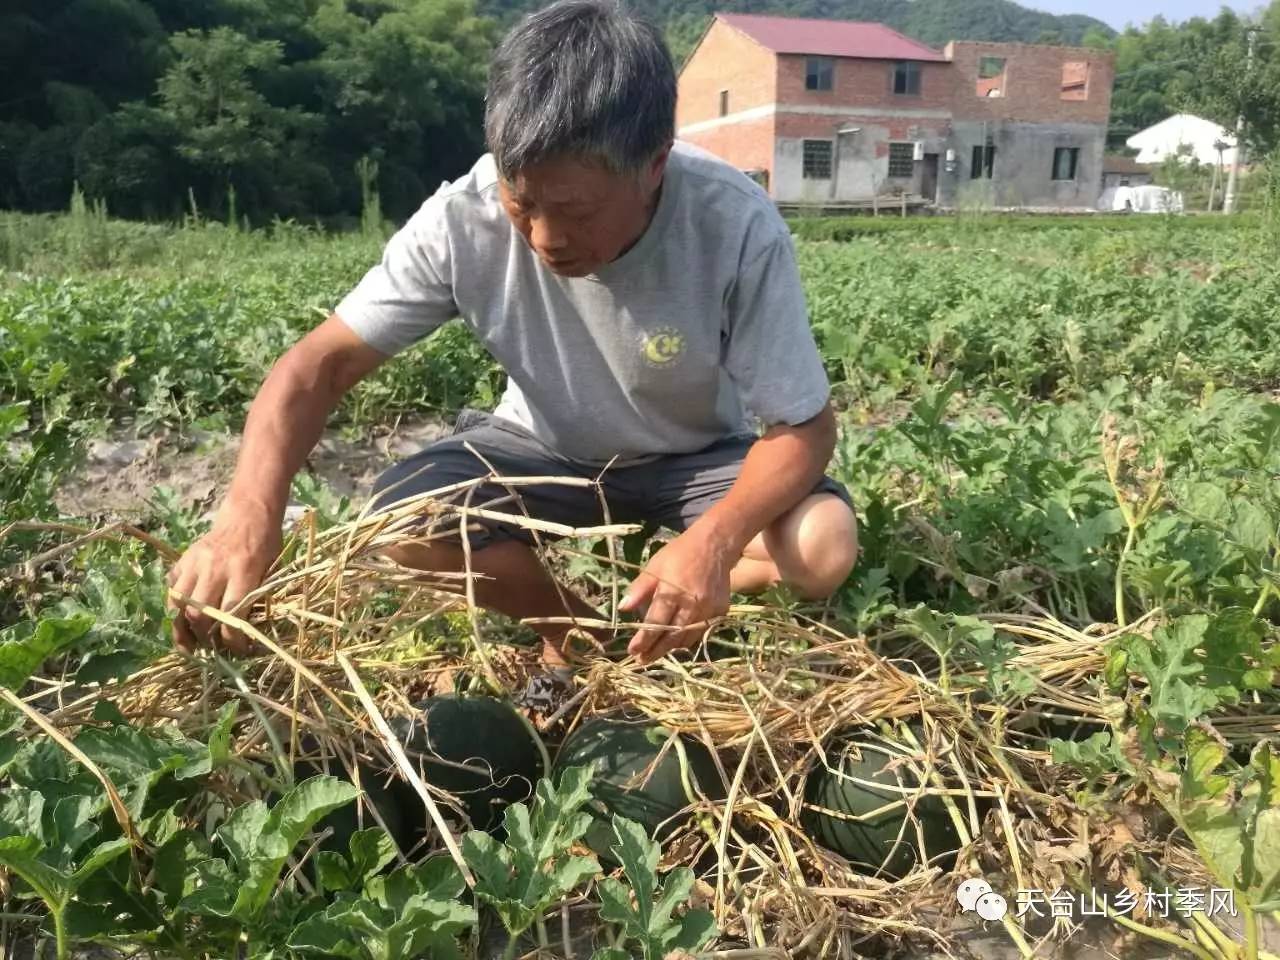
831, 112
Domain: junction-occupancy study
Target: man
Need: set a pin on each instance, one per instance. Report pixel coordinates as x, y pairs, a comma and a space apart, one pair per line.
644, 300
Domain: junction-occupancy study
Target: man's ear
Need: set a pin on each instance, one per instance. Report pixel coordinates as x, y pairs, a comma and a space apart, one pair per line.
659, 164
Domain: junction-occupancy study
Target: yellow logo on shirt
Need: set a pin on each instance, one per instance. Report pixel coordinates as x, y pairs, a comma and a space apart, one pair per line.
663, 346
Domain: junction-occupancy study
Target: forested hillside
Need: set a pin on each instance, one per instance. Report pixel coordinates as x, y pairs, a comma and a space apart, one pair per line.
151, 104
288, 107
933, 21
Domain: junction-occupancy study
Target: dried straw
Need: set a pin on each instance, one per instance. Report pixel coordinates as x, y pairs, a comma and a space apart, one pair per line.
346, 640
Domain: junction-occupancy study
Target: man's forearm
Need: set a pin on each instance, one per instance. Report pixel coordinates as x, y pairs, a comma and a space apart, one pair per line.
779, 471
283, 426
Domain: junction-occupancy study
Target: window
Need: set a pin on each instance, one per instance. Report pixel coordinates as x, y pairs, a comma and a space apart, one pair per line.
1124, 181
902, 162
906, 78
991, 76
1064, 162
817, 160
724, 103
818, 73
984, 160
1075, 81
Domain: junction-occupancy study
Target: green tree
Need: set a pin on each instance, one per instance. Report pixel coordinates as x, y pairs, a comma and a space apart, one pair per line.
127, 159
1233, 86
225, 125
45, 171
405, 84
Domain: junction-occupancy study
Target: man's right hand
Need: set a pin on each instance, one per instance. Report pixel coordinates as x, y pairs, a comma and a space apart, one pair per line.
284, 423
219, 569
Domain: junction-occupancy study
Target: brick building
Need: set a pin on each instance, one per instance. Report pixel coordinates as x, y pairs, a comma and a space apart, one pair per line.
826, 111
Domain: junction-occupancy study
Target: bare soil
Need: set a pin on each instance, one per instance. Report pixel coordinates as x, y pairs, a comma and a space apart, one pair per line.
121, 472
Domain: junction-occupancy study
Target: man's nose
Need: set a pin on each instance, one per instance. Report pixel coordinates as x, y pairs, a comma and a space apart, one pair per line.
547, 235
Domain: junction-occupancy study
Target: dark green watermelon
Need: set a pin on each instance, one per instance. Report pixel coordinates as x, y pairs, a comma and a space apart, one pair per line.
490, 757
870, 842
621, 752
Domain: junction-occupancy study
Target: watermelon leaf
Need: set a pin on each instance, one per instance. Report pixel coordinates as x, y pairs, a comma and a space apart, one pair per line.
412, 912
523, 877
370, 851
261, 842
646, 909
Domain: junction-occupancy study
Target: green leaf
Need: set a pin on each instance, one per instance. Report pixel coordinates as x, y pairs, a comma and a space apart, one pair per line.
327, 937
1232, 642
220, 735
22, 856
135, 755
138, 760
1258, 678
697, 929
523, 877
99, 667
1116, 670
1205, 753
645, 910
300, 809
1251, 527
262, 845
22, 813
333, 871
1208, 501
430, 928
69, 825
160, 827
215, 900
371, 850
1216, 831
23, 650
1096, 757
85, 922
1172, 670
242, 830
490, 861
98, 858
930, 627
175, 863
639, 858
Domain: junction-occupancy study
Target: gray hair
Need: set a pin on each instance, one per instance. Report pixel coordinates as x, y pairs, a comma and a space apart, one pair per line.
580, 79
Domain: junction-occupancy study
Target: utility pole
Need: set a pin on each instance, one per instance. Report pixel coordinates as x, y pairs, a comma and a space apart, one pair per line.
1229, 201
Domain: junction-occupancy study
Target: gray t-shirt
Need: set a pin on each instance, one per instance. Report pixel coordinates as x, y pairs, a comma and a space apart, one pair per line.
667, 349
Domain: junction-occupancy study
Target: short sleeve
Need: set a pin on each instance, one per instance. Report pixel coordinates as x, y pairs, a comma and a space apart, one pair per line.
771, 355
409, 293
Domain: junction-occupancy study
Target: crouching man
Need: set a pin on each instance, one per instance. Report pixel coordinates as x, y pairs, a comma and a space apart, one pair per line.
644, 300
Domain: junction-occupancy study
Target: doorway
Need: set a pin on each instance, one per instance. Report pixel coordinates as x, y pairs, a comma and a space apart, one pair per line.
929, 178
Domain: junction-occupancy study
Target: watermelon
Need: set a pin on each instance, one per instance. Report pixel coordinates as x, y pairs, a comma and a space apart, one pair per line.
881, 839
502, 759
622, 751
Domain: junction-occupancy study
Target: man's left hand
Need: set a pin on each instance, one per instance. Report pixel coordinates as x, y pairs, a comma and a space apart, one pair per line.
685, 584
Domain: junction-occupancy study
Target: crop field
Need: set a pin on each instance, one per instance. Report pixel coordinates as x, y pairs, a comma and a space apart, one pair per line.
1057, 653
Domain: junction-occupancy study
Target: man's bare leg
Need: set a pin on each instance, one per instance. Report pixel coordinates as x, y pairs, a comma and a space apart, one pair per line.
812, 547
511, 581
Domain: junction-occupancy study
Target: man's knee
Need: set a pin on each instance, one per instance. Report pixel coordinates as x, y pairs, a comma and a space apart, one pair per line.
816, 546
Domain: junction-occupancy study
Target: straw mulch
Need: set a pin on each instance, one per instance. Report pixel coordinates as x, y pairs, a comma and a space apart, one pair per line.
347, 639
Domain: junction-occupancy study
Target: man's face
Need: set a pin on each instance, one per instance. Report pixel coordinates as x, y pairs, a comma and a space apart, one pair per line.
578, 216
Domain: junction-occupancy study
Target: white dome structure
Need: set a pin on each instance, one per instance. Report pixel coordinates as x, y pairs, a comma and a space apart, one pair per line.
1183, 132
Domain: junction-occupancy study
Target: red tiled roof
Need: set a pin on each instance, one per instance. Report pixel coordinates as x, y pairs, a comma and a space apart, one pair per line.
830, 38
